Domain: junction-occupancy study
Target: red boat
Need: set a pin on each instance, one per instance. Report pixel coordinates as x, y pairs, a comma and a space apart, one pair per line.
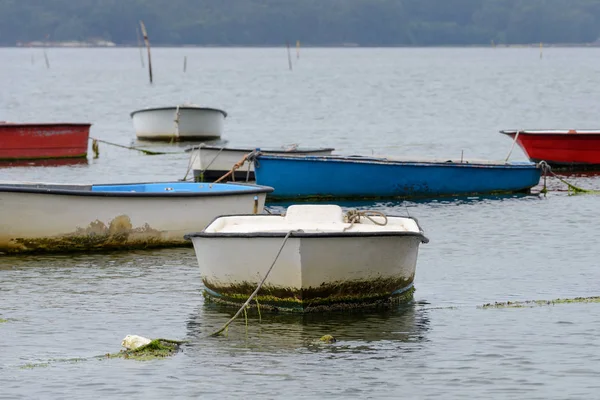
560, 148
45, 140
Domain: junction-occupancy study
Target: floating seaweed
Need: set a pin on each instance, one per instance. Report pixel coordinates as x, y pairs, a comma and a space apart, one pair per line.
538, 303
157, 348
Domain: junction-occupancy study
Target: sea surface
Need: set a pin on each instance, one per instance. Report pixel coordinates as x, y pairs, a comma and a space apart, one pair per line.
61, 313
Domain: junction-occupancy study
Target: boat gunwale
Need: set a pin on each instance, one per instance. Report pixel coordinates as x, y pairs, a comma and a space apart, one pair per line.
302, 234
398, 162
178, 107
31, 189
267, 150
8, 124
552, 132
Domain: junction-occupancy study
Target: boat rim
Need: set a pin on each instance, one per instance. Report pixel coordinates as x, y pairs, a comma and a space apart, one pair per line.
183, 107
32, 124
359, 159
561, 132
7, 188
266, 150
300, 233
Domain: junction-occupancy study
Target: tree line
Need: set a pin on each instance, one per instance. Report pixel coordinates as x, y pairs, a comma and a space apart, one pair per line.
313, 22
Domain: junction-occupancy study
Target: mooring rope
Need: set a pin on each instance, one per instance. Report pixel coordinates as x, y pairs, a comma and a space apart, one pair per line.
243, 308
353, 217
148, 152
513, 146
248, 157
546, 169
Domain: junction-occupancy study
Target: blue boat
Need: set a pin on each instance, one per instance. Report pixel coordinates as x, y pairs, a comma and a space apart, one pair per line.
358, 177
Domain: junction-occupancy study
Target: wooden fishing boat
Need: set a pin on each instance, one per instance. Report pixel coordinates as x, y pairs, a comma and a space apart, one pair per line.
572, 149
179, 123
42, 217
212, 162
357, 177
330, 260
31, 141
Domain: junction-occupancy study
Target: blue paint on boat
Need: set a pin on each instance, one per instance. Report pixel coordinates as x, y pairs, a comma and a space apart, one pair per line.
296, 177
172, 187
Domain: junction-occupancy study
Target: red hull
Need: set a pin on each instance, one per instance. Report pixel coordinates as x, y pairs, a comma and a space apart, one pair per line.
40, 141
561, 148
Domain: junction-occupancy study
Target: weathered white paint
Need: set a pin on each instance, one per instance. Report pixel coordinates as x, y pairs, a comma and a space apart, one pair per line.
196, 123
124, 221
310, 261
221, 159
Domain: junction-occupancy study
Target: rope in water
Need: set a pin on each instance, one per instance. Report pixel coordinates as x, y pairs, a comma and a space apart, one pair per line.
148, 152
546, 169
353, 217
243, 308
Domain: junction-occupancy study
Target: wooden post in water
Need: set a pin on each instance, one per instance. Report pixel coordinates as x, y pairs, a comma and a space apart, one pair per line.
184, 63
289, 55
297, 49
137, 32
46, 58
541, 50
145, 35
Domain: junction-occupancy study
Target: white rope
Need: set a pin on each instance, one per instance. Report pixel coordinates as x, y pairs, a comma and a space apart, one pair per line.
255, 291
513, 145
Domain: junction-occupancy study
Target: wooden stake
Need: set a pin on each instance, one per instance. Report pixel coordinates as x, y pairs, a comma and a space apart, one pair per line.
184, 63
297, 49
137, 32
145, 35
289, 55
541, 49
46, 58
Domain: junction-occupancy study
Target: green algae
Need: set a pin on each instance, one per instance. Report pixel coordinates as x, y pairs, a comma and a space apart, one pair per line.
2, 320
538, 303
157, 348
333, 302
327, 339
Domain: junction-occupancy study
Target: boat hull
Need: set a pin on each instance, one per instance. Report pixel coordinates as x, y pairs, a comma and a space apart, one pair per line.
563, 150
43, 141
38, 222
311, 273
211, 163
363, 178
193, 123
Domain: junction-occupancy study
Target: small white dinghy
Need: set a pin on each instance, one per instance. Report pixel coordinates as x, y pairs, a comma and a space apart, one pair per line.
330, 260
210, 163
183, 122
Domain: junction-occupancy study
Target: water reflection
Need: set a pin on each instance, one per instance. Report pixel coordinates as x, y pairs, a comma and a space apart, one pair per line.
359, 330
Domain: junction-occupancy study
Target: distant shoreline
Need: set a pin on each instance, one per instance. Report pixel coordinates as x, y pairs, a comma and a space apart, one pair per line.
111, 45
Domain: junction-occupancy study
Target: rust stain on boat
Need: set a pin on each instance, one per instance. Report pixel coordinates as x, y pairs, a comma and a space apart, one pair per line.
97, 235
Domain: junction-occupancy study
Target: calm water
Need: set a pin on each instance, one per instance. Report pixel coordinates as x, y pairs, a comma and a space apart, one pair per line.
427, 102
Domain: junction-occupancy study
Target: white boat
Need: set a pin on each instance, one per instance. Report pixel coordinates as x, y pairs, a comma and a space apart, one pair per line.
212, 162
183, 122
37, 217
327, 262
